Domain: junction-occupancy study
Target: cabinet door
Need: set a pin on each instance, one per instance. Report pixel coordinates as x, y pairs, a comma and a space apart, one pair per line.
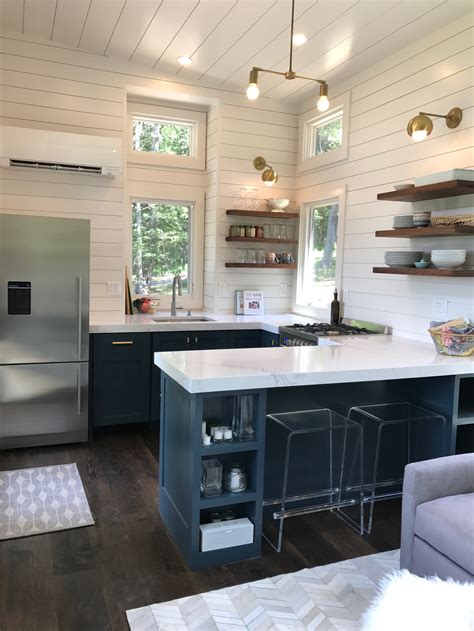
208, 340
162, 342
121, 378
270, 339
245, 339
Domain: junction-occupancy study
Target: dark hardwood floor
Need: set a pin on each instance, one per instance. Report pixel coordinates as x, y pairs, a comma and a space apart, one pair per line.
85, 579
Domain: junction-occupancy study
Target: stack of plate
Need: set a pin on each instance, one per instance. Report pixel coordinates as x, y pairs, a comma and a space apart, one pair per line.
448, 259
402, 221
402, 259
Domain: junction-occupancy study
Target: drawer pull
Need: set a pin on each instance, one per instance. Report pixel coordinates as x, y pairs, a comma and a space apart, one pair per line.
128, 343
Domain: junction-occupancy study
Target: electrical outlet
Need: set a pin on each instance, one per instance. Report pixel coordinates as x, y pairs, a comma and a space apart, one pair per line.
283, 290
345, 295
439, 309
221, 289
114, 288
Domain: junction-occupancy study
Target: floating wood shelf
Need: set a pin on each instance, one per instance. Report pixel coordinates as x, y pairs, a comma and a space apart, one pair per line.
260, 240
261, 213
264, 265
429, 271
439, 190
430, 231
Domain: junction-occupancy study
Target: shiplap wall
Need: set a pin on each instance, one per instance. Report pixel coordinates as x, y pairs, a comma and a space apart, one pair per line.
433, 74
57, 88
238, 133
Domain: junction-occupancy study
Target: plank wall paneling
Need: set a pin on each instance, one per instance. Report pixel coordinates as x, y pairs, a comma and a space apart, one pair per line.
433, 74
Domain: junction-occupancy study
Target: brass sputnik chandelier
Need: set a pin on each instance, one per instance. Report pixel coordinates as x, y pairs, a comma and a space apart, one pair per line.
253, 91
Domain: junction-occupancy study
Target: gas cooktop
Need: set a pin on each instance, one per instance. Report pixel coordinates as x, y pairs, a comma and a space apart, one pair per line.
308, 334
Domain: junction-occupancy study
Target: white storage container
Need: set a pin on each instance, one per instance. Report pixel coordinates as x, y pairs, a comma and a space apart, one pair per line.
226, 534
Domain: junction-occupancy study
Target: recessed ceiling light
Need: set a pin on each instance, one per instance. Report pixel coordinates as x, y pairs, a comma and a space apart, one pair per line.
299, 39
185, 61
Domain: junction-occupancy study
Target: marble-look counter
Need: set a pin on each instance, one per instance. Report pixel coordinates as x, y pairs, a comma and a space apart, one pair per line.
145, 324
350, 359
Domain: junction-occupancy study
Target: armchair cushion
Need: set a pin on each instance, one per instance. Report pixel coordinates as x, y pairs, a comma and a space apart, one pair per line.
447, 524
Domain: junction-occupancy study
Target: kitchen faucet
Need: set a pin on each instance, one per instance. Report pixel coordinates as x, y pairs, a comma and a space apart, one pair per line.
179, 283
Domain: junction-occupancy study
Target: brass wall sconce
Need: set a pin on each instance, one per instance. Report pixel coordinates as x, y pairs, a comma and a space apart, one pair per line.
421, 125
269, 176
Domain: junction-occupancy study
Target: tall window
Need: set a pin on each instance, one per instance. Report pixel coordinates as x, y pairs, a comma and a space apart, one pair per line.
161, 232
162, 136
318, 273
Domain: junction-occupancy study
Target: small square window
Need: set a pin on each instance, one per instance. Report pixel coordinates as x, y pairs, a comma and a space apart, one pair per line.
162, 136
324, 134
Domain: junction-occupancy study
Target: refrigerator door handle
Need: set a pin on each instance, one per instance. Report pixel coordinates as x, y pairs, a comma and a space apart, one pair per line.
79, 317
79, 395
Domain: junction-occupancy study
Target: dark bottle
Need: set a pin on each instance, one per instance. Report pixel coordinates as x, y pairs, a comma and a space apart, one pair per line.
335, 309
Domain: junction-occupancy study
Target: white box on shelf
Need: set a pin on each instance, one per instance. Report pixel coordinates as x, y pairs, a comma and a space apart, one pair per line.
253, 303
226, 534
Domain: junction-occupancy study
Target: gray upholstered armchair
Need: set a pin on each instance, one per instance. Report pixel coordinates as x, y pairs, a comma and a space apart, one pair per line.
438, 518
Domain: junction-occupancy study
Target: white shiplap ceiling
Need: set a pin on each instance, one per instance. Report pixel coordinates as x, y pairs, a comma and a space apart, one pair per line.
225, 38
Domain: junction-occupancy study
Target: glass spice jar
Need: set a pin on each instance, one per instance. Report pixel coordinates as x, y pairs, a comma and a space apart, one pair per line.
259, 232
242, 231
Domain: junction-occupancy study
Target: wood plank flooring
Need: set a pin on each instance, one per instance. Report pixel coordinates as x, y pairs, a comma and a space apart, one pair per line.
85, 579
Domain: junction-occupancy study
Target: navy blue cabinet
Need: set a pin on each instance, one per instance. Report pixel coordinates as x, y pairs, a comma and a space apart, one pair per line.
126, 383
120, 378
245, 338
270, 339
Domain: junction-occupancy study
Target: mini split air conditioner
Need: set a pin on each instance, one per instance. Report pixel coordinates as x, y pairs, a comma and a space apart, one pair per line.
26, 148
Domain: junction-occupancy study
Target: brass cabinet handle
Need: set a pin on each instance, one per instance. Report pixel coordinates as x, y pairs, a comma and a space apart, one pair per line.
128, 343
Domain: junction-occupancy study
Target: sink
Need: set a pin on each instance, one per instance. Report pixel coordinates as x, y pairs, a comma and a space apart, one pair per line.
182, 319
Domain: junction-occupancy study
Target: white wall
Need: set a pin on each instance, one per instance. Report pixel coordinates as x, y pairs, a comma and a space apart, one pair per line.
433, 74
53, 87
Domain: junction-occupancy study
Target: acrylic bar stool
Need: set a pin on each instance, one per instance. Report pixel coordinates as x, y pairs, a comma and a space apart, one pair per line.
395, 434
314, 462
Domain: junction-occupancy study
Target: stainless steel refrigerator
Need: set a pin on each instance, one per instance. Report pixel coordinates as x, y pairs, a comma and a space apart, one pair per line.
44, 330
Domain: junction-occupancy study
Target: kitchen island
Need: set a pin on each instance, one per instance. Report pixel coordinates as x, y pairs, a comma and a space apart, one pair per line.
350, 371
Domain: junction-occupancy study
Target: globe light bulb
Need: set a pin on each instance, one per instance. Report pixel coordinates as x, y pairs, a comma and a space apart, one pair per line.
419, 134
253, 92
323, 103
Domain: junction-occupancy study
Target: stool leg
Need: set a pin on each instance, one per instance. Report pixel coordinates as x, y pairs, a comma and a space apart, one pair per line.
374, 478
284, 492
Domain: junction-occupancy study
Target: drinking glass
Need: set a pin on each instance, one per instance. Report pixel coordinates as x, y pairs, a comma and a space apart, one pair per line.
290, 232
267, 231
275, 231
260, 256
283, 231
240, 256
251, 256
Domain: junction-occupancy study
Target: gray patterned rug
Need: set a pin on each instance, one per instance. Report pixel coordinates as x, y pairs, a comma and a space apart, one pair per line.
42, 499
327, 598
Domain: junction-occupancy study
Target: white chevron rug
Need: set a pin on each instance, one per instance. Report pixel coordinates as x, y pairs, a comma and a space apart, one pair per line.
327, 598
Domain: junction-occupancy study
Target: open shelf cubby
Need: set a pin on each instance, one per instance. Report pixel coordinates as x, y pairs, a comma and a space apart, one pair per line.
431, 231
429, 271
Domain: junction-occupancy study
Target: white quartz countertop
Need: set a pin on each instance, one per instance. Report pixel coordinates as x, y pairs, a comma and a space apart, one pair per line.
351, 359
142, 323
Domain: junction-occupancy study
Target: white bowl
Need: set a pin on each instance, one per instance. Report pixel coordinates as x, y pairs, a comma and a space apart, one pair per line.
402, 187
448, 253
278, 203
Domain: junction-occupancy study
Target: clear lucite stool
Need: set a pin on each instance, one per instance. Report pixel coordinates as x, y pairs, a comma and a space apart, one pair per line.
313, 463
395, 434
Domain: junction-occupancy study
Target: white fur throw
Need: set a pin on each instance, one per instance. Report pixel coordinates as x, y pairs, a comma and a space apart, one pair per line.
410, 603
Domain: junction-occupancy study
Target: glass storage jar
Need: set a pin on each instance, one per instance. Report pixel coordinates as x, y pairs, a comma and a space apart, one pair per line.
235, 478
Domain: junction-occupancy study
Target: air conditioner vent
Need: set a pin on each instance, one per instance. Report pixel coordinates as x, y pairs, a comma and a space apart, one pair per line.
53, 166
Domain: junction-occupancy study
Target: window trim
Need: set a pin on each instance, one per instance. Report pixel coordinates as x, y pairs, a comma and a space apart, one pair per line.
175, 195
339, 196
307, 124
196, 119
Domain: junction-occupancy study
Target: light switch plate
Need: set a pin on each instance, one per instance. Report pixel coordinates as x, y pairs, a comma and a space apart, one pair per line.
439, 308
283, 290
114, 288
345, 295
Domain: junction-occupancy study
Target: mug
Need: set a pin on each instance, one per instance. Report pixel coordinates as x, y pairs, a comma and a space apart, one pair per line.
287, 258
270, 257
